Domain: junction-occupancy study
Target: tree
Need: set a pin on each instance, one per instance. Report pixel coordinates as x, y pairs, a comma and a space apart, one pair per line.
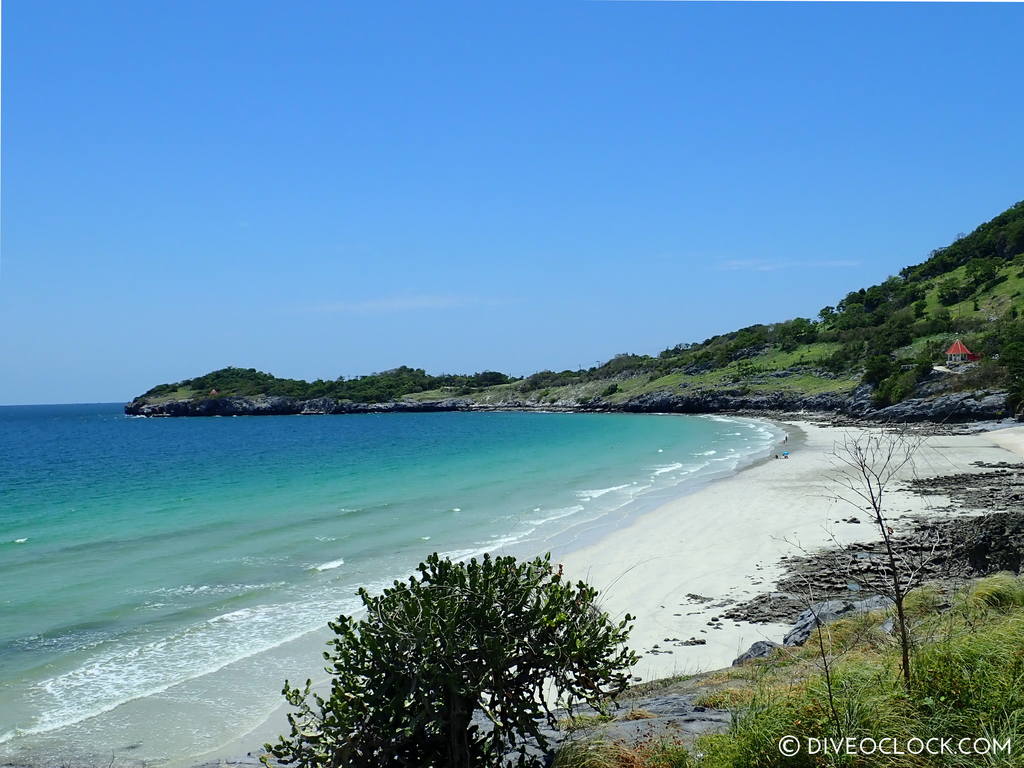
496, 637
980, 271
872, 463
951, 290
1012, 357
877, 368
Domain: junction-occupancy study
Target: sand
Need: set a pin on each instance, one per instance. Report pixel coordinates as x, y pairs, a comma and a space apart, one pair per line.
724, 542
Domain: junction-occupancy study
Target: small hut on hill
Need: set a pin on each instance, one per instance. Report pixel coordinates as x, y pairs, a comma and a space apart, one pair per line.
959, 353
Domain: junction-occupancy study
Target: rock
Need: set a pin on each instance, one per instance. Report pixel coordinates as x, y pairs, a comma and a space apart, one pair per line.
828, 611
955, 407
762, 649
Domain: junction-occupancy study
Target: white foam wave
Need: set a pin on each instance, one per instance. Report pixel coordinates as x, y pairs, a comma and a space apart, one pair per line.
599, 492
123, 671
668, 468
187, 590
330, 565
557, 514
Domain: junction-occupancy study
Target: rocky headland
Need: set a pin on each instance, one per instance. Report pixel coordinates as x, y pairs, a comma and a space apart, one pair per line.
958, 407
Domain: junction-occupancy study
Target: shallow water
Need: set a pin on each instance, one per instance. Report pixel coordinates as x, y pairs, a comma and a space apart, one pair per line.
159, 578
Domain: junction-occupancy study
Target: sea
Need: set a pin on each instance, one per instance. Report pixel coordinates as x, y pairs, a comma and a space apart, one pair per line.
161, 578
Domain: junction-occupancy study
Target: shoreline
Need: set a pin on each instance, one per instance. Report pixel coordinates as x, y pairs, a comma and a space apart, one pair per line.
243, 749
708, 558
680, 566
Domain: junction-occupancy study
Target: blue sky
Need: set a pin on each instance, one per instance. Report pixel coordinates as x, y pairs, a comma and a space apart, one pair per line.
324, 189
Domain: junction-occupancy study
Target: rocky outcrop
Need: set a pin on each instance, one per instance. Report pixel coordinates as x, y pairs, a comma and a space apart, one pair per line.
955, 407
710, 401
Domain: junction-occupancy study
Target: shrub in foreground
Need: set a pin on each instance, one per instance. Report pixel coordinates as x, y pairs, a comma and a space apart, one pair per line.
496, 637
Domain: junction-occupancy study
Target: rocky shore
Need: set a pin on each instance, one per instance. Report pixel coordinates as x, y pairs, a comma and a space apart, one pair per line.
958, 407
979, 533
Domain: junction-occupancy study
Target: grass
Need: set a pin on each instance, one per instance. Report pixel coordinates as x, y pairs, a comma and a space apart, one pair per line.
181, 393
582, 722
968, 682
614, 754
991, 301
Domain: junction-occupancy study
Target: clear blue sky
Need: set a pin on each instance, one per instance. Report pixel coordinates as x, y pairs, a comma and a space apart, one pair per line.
317, 189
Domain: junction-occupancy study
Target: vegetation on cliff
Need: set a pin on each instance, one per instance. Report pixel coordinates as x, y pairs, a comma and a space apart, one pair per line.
375, 388
888, 335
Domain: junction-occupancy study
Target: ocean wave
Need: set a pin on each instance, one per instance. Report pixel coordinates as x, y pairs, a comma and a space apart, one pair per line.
123, 671
668, 468
557, 514
597, 493
188, 590
330, 565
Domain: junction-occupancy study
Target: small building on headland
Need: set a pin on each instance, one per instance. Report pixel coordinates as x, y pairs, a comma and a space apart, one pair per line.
959, 353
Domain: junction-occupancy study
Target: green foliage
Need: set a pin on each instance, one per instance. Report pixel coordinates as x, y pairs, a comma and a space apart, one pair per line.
1012, 359
901, 382
1002, 238
951, 290
968, 682
375, 388
492, 636
877, 368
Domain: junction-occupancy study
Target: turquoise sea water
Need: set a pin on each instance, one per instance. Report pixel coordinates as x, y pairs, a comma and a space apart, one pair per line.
159, 578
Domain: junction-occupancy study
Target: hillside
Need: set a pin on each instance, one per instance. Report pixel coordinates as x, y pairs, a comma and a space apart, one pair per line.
888, 337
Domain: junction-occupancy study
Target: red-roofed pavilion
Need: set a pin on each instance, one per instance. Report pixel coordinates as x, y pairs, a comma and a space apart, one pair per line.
959, 353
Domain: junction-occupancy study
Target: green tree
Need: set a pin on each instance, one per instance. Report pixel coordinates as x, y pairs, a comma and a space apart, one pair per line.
951, 290
493, 636
1012, 357
980, 271
877, 368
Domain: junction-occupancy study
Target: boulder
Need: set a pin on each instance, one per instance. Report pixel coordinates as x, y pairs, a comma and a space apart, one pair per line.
762, 649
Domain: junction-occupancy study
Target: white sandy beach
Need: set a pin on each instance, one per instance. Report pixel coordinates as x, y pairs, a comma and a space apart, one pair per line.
725, 541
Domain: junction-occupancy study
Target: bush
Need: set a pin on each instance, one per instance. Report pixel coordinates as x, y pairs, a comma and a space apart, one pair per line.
492, 636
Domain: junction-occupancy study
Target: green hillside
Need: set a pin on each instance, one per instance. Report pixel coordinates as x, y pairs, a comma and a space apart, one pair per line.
888, 335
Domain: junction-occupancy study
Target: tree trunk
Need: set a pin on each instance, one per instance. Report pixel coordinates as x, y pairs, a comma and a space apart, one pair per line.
458, 715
